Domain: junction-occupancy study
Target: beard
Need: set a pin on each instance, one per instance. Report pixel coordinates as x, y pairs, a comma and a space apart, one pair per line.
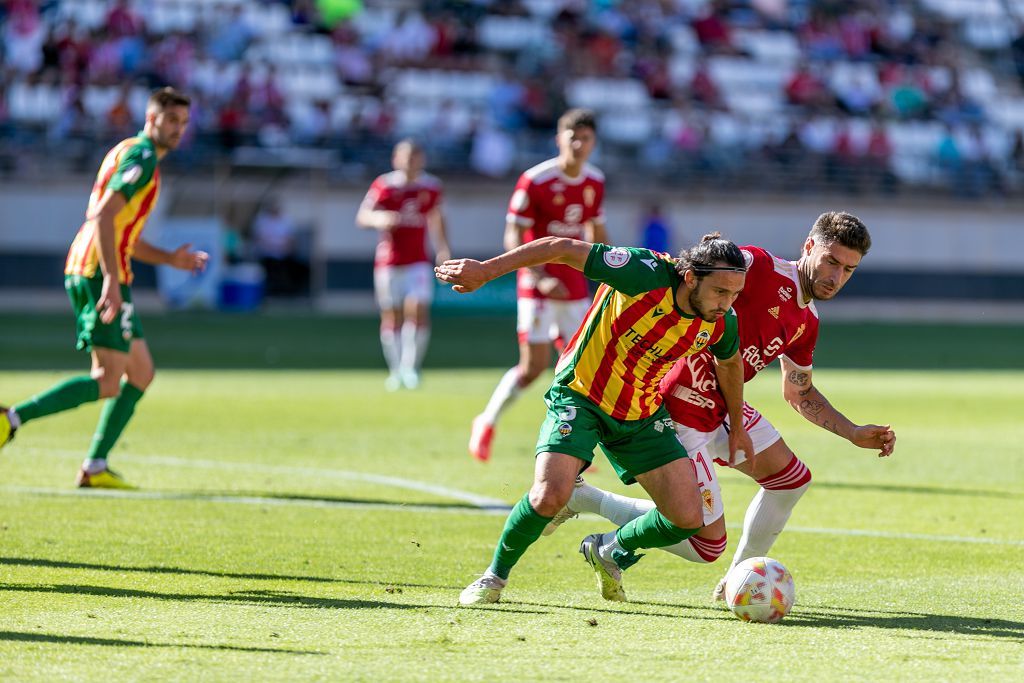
708, 315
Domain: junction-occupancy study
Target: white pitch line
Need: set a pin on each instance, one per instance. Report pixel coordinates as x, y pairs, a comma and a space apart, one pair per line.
200, 497
501, 509
397, 482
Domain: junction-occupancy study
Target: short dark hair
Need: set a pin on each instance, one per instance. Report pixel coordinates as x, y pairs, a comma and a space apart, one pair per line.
844, 228
575, 118
711, 253
168, 97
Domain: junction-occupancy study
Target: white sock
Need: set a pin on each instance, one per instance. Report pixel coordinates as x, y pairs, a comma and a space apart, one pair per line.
94, 466
414, 345
12, 416
392, 347
615, 508
609, 543
504, 395
765, 519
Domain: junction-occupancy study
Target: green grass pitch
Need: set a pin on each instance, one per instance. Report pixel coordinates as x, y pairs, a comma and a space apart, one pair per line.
296, 522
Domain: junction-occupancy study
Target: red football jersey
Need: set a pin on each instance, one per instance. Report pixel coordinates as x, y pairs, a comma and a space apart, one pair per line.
547, 202
407, 242
773, 321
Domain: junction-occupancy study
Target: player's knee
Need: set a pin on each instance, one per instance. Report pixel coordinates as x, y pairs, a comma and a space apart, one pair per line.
547, 499
109, 384
685, 516
141, 379
529, 372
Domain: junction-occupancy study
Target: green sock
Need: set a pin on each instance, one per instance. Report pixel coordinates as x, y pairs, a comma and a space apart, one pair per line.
651, 530
69, 394
522, 528
115, 415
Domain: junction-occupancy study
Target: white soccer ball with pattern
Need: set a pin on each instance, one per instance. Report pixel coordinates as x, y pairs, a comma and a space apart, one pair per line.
760, 589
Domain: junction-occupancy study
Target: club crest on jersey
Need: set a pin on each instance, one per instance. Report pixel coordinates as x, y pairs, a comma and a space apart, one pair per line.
589, 196
774, 310
701, 340
785, 293
565, 429
616, 258
709, 500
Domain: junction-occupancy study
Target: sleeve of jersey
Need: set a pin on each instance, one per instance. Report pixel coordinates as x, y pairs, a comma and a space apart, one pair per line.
521, 209
630, 270
801, 352
134, 171
373, 196
729, 343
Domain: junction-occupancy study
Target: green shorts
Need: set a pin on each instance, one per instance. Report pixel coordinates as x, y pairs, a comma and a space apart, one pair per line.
574, 425
84, 292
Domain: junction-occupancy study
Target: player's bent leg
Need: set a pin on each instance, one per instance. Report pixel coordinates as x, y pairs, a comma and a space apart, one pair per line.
616, 508
554, 475
533, 360
705, 546
138, 375
676, 517
784, 479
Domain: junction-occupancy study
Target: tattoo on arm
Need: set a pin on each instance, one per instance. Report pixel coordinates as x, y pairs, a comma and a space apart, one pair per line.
831, 426
812, 407
800, 379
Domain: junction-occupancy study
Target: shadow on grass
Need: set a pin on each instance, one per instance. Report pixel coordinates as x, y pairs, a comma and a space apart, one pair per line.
19, 636
629, 609
926, 490
261, 598
95, 566
909, 621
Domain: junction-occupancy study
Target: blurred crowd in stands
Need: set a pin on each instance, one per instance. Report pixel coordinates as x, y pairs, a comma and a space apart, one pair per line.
857, 95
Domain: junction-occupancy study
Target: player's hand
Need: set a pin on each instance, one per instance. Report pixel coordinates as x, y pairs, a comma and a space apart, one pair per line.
184, 259
552, 288
389, 220
109, 303
464, 274
740, 442
877, 437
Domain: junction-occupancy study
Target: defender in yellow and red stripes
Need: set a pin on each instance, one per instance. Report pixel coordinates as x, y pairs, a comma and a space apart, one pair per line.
97, 277
649, 312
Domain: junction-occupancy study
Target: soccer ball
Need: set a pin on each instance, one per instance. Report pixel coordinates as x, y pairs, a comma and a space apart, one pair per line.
759, 589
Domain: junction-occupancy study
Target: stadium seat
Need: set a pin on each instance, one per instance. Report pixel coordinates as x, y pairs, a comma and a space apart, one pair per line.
510, 34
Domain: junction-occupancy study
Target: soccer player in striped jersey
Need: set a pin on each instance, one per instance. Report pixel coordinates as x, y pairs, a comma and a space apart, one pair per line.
649, 312
777, 319
98, 277
562, 197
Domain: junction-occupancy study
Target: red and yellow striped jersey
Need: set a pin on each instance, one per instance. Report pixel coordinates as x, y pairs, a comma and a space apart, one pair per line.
634, 332
131, 169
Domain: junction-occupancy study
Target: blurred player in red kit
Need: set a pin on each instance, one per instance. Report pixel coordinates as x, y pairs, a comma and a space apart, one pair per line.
403, 206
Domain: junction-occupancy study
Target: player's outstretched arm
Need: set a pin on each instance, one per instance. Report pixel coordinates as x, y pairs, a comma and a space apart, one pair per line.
730, 381
182, 258
800, 392
467, 275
